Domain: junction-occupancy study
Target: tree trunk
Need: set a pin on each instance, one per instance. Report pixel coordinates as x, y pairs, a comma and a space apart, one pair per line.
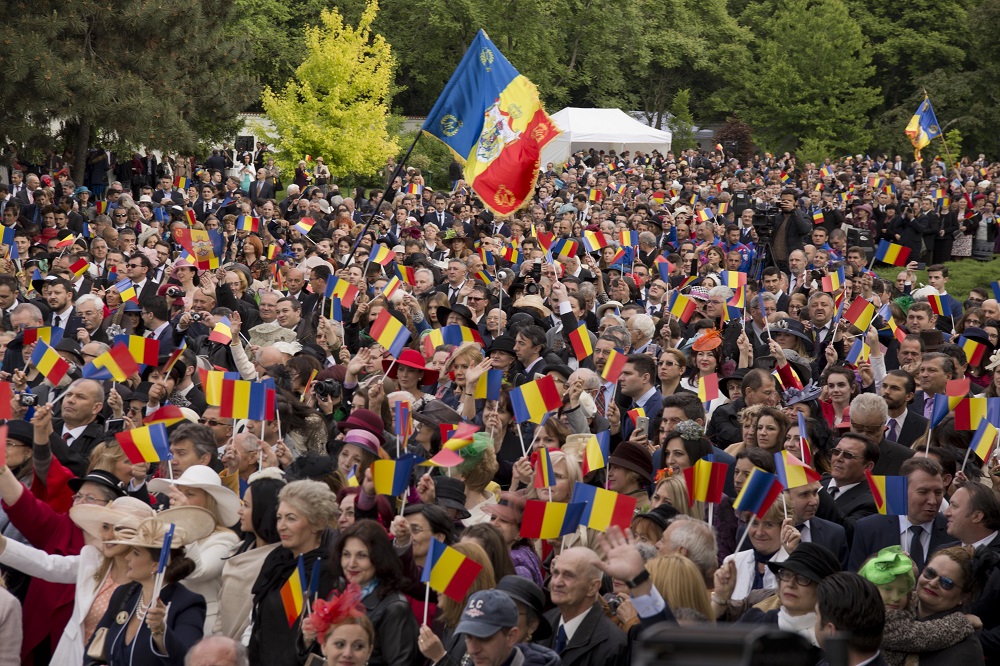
82, 144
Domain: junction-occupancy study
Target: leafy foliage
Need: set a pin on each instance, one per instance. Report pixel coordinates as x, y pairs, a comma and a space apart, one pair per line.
338, 104
681, 121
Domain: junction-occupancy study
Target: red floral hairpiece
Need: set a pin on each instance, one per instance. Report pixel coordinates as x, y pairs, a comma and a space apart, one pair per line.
338, 609
664, 473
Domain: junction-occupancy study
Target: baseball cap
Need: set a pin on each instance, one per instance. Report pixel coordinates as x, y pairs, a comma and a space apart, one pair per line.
486, 613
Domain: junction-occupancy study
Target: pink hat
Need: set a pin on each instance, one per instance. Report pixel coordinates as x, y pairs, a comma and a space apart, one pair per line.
363, 439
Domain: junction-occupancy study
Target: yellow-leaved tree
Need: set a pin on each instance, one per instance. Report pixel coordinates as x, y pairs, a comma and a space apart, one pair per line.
337, 105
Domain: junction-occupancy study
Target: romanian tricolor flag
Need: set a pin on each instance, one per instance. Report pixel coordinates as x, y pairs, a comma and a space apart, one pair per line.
222, 332
792, 472
565, 248
390, 332
545, 475
758, 493
533, 400
116, 363
304, 226
448, 571
550, 520
708, 387
273, 250
145, 445
613, 366
943, 405
391, 286
594, 241
167, 415
595, 194
456, 439
833, 281
723, 209
596, 452
825, 171
483, 276
293, 593
191, 218
664, 267
628, 238
487, 257
705, 215
984, 440
939, 306
705, 480
580, 339
785, 177
805, 448
891, 253
101, 207
66, 241
604, 507
172, 359
126, 290
889, 493
969, 413
342, 289
452, 334
512, 254
46, 334
489, 385
145, 351
79, 267
860, 351
860, 313
211, 384
248, 223
897, 332
407, 274
620, 188
380, 254
682, 307
180, 183
392, 477
733, 279
414, 188
49, 363
973, 350
491, 118
246, 400
635, 413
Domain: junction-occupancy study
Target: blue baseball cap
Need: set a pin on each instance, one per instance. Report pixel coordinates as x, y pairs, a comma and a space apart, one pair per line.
486, 613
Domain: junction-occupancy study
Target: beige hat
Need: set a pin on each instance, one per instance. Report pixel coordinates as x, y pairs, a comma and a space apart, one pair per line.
204, 478
191, 524
265, 335
535, 302
126, 512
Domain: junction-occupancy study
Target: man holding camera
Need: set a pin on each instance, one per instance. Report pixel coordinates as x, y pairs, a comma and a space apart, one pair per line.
790, 230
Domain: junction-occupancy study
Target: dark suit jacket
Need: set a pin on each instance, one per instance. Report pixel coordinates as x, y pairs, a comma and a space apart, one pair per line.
849, 507
596, 642
148, 290
202, 209
653, 407
724, 428
874, 533
76, 457
831, 535
449, 219
166, 338
73, 324
914, 427
890, 456
260, 190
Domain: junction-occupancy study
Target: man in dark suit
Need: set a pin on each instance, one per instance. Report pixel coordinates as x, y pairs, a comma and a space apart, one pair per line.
138, 269
166, 191
261, 189
205, 204
803, 502
904, 425
529, 346
758, 388
59, 296
156, 319
638, 382
73, 437
582, 634
869, 415
846, 497
440, 215
920, 531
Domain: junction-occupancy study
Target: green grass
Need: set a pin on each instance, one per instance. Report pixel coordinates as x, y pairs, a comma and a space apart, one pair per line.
963, 275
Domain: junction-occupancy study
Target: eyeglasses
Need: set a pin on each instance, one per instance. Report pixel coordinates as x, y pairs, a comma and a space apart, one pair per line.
117, 215
947, 584
846, 454
786, 576
868, 429
210, 422
91, 499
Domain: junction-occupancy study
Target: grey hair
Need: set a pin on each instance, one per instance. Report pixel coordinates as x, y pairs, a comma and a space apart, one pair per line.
93, 300
426, 271
620, 332
644, 324
241, 657
647, 238
724, 292
870, 403
586, 291
698, 538
30, 310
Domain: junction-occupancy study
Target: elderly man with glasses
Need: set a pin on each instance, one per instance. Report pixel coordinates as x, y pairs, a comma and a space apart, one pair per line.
869, 416
846, 497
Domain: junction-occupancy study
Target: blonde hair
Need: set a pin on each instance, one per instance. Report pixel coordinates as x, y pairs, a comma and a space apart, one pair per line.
477, 478
573, 472
105, 457
471, 351
451, 611
675, 489
680, 583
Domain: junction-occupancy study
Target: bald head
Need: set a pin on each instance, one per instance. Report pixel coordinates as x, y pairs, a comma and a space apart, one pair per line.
217, 651
268, 356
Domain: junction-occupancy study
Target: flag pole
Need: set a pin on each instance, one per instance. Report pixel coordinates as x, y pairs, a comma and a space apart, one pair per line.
524, 451
746, 532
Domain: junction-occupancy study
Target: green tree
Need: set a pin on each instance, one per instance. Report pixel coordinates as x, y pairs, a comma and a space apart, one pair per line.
338, 104
681, 122
808, 77
124, 71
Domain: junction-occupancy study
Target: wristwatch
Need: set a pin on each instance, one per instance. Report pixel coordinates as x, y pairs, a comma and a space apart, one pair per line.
639, 579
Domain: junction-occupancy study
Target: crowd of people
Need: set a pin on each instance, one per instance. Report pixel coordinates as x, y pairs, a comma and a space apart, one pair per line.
679, 270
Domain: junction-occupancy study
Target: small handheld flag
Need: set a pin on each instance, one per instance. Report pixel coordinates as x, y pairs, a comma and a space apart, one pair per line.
613, 366
550, 520
545, 475
893, 254
792, 472
758, 493
448, 571
145, 445
705, 481
580, 339
889, 493
293, 593
604, 507
984, 439
533, 400
392, 477
390, 332
597, 451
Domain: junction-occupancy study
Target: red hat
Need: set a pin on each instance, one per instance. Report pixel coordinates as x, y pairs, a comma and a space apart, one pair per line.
411, 358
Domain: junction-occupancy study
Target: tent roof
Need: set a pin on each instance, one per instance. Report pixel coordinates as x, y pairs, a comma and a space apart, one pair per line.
602, 129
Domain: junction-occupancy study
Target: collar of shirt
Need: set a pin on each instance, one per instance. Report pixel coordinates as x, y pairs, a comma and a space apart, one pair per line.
641, 402
843, 489
985, 541
571, 626
73, 434
905, 525
527, 368
159, 329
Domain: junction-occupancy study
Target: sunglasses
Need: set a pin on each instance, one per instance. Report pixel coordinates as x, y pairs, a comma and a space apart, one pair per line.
846, 454
947, 584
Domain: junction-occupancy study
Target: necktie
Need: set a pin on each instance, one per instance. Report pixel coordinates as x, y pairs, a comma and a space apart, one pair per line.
916, 549
928, 406
834, 491
602, 402
66, 437
561, 639
892, 429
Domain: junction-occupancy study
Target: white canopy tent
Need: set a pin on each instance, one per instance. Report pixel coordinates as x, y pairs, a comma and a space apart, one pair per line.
601, 129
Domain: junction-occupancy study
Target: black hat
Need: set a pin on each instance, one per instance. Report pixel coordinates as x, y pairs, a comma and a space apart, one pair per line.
734, 376
660, 516
450, 493
504, 343
811, 560
141, 391
564, 370
526, 592
71, 347
101, 478
793, 327
459, 309
22, 431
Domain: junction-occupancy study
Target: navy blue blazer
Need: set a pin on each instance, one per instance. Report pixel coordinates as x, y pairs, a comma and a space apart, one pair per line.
653, 407
831, 535
873, 533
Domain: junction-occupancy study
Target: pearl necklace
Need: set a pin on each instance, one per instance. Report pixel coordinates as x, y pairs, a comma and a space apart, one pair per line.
140, 609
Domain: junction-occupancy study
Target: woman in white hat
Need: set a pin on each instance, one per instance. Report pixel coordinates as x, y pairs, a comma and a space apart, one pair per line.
137, 629
200, 486
97, 571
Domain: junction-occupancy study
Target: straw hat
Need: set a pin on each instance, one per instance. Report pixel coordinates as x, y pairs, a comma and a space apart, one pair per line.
191, 524
204, 478
125, 512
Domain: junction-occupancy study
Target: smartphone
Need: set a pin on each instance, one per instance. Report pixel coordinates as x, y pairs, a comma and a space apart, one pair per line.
642, 425
115, 425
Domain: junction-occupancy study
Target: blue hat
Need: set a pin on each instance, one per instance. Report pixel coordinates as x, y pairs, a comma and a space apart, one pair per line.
81, 190
486, 613
132, 306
